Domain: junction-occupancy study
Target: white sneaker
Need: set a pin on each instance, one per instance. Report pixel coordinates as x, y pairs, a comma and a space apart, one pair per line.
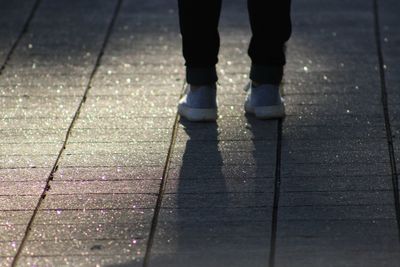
264, 101
199, 104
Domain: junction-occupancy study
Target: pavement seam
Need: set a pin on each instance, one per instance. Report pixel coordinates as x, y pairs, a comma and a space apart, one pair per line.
21, 34
163, 183
277, 184
74, 119
388, 128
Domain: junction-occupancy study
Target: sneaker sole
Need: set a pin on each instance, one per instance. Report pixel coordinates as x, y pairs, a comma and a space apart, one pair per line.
267, 112
197, 114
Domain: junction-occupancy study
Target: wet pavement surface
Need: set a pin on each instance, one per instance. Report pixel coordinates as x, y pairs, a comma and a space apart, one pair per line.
97, 169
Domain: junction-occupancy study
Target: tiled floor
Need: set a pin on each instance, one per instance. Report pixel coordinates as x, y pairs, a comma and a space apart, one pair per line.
97, 169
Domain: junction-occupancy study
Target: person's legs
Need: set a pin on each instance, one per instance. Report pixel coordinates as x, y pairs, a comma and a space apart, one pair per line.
271, 28
200, 44
200, 39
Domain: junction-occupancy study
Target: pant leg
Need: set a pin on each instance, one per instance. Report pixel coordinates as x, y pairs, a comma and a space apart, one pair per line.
271, 28
198, 21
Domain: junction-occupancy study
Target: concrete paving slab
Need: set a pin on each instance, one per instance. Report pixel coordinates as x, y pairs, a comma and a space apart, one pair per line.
335, 132
228, 134
343, 182
94, 216
137, 194
39, 89
390, 35
239, 258
5, 261
13, 16
113, 159
7, 249
83, 260
16, 202
11, 232
235, 185
12, 217
206, 198
15, 83
30, 161
99, 201
105, 187
336, 199
117, 173
108, 148
125, 122
341, 169
237, 146
213, 172
103, 135
21, 188
21, 175
12, 124
348, 213
338, 120
12, 149
230, 158
338, 146
93, 231
346, 221
84, 247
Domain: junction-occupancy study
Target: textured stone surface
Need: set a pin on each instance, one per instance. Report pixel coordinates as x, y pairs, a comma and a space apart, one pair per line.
336, 203
336, 198
220, 176
84, 260
390, 35
35, 118
13, 15
99, 207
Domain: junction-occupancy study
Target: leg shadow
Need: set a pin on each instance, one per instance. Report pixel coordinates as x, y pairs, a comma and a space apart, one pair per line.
202, 195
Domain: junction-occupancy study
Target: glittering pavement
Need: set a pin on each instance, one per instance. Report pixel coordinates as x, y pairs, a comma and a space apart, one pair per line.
96, 168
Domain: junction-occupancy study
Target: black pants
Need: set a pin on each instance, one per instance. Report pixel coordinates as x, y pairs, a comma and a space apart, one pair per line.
270, 26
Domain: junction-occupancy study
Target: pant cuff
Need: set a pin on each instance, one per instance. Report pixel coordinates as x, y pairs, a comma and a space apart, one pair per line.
266, 74
201, 76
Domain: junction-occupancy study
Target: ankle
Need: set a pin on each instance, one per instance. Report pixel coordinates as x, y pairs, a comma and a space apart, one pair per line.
197, 86
269, 85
